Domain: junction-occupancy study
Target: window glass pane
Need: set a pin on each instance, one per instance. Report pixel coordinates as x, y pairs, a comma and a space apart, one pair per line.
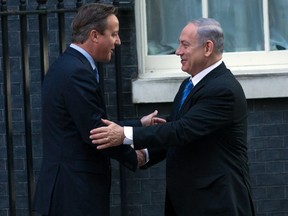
242, 23
278, 26
165, 20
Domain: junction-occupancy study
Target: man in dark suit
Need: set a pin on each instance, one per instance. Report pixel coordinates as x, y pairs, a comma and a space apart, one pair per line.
205, 139
75, 177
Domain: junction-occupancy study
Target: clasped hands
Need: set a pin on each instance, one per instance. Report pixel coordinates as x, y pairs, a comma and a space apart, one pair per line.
113, 134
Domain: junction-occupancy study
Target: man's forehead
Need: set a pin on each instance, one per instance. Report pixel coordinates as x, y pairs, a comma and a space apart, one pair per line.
188, 33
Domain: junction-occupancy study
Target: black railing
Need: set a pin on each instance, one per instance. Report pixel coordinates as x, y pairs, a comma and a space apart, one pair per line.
8, 108
41, 12
27, 102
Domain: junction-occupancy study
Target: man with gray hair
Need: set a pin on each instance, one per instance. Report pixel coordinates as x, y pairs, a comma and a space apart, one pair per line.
205, 137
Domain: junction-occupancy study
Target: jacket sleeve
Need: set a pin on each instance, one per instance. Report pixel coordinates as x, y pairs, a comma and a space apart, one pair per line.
86, 107
156, 155
214, 110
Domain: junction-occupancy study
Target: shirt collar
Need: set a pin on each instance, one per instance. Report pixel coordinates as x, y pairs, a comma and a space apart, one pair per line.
85, 53
198, 77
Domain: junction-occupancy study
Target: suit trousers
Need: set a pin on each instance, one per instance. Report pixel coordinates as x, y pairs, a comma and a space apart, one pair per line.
169, 210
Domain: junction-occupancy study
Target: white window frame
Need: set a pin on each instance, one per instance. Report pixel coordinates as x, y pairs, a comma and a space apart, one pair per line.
159, 76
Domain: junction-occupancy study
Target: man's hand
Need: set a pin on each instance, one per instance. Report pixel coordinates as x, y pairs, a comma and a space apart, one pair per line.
112, 135
151, 119
141, 157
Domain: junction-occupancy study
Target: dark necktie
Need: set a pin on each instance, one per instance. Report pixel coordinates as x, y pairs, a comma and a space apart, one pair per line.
186, 92
96, 74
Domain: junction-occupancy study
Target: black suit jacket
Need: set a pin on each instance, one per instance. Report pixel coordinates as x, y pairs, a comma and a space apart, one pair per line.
206, 149
75, 177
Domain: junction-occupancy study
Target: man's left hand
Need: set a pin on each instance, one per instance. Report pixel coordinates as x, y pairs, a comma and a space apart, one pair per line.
112, 135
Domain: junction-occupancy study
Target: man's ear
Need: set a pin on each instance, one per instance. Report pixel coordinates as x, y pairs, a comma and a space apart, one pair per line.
208, 47
94, 35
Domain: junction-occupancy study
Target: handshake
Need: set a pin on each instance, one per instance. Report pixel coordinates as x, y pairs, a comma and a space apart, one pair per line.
114, 135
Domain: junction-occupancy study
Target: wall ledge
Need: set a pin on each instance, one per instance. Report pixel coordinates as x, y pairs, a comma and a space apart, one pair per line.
152, 89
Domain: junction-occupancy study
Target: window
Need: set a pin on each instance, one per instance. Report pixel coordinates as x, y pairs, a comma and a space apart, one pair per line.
255, 32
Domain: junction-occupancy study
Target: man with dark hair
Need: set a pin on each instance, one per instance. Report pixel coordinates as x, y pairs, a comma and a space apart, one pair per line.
205, 139
75, 177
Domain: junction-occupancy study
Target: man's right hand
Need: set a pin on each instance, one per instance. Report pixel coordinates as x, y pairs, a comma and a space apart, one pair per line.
152, 119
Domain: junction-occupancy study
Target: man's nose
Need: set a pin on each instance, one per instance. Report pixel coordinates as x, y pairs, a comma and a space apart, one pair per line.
118, 41
178, 51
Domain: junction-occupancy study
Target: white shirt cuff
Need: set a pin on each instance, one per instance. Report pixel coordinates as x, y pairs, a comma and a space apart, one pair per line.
128, 140
147, 155
128, 133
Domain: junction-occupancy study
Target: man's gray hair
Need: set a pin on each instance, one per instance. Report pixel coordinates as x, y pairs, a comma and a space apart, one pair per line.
210, 29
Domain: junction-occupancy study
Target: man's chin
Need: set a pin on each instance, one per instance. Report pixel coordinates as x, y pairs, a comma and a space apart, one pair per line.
184, 69
106, 60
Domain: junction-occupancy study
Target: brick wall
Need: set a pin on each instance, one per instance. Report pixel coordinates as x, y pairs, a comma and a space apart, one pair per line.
268, 154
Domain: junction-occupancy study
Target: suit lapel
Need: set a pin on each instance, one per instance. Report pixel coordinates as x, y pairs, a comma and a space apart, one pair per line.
86, 63
80, 56
213, 74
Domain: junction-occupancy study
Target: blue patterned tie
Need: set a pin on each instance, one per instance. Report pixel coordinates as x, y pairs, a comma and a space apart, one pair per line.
96, 74
186, 92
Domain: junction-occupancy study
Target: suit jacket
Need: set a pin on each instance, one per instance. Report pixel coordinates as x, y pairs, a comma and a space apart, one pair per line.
75, 177
205, 144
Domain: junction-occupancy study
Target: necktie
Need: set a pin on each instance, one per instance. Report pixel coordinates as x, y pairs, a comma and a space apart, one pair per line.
186, 92
96, 74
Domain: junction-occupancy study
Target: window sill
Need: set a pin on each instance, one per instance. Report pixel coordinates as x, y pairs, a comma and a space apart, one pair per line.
256, 82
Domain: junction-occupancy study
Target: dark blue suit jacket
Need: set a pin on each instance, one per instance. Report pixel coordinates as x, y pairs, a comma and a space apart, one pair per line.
206, 149
75, 177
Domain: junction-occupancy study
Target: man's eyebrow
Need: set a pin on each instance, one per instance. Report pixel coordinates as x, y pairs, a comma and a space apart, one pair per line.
184, 42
